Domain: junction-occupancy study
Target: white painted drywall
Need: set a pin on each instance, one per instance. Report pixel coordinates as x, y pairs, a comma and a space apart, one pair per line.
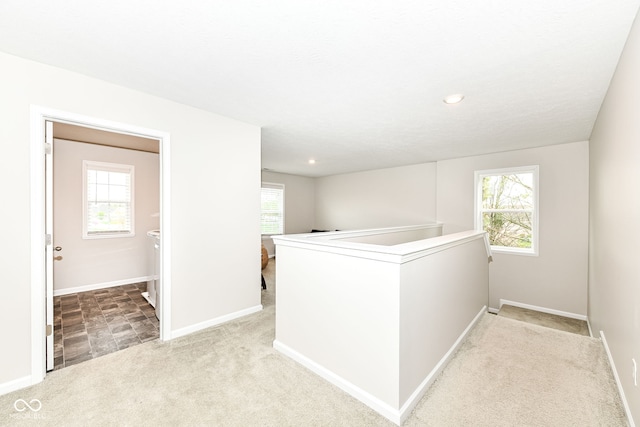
614, 247
348, 306
377, 320
396, 238
215, 198
299, 204
440, 295
379, 198
92, 262
299, 200
557, 278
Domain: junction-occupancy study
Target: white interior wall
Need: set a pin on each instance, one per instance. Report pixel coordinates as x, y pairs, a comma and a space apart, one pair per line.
215, 162
379, 198
299, 209
614, 275
557, 278
299, 204
207, 148
95, 263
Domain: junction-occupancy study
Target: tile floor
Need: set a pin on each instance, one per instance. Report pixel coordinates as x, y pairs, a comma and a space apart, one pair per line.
91, 324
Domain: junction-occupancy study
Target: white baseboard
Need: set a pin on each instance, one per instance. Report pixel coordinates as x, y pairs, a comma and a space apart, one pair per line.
214, 322
415, 397
14, 385
627, 410
368, 399
544, 309
397, 416
93, 287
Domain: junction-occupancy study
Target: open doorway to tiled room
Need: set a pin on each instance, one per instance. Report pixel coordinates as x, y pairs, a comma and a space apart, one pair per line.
91, 324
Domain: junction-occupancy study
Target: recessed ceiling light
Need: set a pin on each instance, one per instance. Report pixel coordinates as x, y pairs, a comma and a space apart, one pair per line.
312, 162
453, 99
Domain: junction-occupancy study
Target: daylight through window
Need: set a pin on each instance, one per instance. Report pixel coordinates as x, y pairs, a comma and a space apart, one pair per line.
108, 200
272, 209
506, 208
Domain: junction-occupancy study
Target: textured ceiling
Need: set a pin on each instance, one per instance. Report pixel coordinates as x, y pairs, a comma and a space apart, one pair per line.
355, 85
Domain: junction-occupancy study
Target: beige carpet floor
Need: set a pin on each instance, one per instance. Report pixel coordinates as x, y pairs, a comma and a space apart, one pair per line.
507, 373
561, 323
512, 373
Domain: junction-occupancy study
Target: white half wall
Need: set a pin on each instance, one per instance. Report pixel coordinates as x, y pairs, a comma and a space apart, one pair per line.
215, 163
378, 198
378, 321
614, 273
557, 278
93, 262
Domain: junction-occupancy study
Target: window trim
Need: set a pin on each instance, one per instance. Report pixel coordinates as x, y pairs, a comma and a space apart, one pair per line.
535, 243
110, 167
278, 186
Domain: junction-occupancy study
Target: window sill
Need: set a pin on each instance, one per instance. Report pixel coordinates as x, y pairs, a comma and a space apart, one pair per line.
512, 251
108, 236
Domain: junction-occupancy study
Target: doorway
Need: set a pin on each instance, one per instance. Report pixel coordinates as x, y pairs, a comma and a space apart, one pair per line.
103, 259
42, 241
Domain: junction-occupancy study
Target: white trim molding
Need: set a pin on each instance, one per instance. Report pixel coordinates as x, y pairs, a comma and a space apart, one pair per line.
415, 397
542, 309
94, 286
397, 416
479, 176
14, 385
384, 409
627, 409
38, 116
215, 321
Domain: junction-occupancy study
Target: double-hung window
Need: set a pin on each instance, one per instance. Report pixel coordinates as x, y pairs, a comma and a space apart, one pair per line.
507, 208
272, 208
108, 202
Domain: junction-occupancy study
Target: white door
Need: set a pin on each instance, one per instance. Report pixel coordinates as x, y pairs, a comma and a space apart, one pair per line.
49, 249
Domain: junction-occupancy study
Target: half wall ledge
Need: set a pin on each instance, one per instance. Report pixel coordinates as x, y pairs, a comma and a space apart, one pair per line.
379, 312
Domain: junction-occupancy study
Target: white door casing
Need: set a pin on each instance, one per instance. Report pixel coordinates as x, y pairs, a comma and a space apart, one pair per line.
40, 250
48, 141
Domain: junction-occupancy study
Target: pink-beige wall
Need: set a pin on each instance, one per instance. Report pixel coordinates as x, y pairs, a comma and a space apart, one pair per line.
95, 263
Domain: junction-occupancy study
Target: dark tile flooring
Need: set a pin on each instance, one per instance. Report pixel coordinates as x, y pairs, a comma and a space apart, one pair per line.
91, 324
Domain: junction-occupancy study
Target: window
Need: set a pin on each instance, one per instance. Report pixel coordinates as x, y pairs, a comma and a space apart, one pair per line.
507, 208
272, 216
107, 200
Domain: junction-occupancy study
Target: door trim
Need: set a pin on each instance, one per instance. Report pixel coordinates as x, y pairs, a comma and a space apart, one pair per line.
48, 229
38, 116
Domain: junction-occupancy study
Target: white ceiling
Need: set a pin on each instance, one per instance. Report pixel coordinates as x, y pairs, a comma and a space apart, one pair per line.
355, 85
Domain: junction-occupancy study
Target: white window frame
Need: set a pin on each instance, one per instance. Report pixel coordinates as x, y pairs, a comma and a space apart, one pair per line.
109, 167
478, 224
277, 186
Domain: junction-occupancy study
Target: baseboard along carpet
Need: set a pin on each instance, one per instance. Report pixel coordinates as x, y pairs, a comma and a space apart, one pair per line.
506, 373
510, 373
553, 321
